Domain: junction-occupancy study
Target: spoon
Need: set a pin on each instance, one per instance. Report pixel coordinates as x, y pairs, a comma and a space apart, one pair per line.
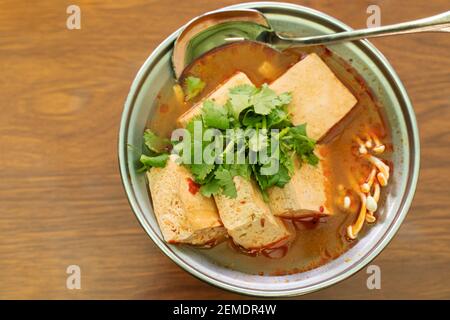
216, 28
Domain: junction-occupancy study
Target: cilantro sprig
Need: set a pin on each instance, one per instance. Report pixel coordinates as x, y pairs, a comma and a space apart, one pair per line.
252, 113
255, 110
157, 152
194, 86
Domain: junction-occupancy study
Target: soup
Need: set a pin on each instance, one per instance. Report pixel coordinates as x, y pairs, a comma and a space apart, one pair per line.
354, 160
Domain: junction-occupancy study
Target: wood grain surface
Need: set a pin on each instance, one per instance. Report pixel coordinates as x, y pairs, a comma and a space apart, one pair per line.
61, 199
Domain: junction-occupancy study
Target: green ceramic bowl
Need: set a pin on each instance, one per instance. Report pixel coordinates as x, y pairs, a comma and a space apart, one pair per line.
388, 89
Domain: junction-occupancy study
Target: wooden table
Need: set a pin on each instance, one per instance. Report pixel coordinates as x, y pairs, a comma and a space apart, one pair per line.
61, 199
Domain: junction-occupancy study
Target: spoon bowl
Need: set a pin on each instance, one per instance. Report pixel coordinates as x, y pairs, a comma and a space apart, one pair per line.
220, 27
213, 29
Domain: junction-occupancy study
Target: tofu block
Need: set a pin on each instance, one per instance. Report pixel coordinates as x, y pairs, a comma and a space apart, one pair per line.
303, 196
319, 99
219, 95
248, 218
184, 216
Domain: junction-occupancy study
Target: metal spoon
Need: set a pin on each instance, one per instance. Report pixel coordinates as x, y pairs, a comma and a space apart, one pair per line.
224, 26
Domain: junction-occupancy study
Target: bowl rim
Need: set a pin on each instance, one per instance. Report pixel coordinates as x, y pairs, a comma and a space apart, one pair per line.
407, 196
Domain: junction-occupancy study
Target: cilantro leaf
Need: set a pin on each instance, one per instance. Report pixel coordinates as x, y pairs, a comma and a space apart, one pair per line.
287, 160
225, 180
278, 118
158, 155
236, 104
285, 98
265, 100
312, 159
215, 116
201, 171
244, 89
299, 130
302, 144
282, 177
266, 181
210, 188
242, 170
239, 99
251, 119
194, 86
156, 161
156, 143
258, 141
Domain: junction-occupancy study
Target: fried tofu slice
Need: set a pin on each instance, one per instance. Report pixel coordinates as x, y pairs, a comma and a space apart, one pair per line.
305, 195
184, 215
248, 219
319, 98
219, 95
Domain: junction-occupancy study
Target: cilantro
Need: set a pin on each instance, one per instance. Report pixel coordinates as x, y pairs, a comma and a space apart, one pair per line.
215, 116
156, 143
265, 100
312, 159
225, 180
287, 160
251, 119
244, 89
194, 86
252, 113
242, 170
282, 177
155, 161
258, 141
239, 99
302, 144
285, 98
201, 171
299, 130
157, 153
278, 118
210, 188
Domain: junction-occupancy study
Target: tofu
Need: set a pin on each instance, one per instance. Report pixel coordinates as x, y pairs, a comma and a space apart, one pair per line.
219, 95
248, 219
319, 99
303, 196
183, 216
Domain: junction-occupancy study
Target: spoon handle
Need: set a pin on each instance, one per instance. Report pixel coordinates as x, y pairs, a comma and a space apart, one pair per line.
437, 23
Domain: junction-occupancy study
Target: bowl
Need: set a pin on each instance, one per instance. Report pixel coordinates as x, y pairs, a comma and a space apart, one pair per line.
388, 90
